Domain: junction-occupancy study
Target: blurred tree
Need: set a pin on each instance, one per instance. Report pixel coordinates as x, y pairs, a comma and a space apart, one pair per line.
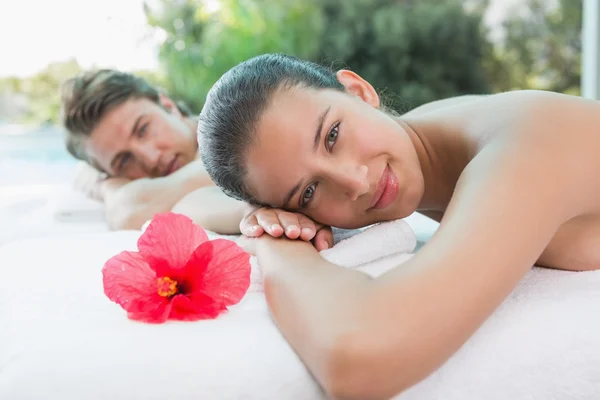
540, 48
476, 6
413, 50
42, 91
418, 50
204, 39
10, 84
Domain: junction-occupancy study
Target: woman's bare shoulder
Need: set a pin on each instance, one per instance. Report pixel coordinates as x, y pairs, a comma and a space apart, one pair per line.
536, 160
555, 128
532, 117
541, 165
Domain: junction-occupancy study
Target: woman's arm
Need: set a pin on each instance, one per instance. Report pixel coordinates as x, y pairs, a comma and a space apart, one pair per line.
210, 208
368, 338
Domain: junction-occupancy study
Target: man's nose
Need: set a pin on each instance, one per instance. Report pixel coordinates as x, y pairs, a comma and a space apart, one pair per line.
149, 156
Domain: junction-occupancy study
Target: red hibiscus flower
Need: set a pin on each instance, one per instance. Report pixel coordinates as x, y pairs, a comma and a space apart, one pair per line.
177, 273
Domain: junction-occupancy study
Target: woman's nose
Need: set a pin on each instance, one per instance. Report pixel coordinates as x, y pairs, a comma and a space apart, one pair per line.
354, 181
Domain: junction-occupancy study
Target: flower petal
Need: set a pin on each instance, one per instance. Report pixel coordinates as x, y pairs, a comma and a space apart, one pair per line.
195, 307
154, 313
129, 281
219, 269
169, 241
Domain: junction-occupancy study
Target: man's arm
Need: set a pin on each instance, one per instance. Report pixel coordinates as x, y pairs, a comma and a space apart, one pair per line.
212, 209
131, 203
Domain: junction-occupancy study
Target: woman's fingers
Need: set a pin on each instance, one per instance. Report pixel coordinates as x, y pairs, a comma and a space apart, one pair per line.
290, 223
323, 239
250, 227
308, 228
267, 218
276, 223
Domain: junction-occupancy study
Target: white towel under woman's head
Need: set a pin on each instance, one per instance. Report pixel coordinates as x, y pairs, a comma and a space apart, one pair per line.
359, 248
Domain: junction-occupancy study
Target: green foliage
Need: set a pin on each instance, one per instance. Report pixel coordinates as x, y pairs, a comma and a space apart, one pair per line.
202, 45
42, 91
541, 48
413, 51
418, 51
10, 85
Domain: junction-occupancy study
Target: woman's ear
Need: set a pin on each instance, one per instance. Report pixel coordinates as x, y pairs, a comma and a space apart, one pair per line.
169, 104
357, 86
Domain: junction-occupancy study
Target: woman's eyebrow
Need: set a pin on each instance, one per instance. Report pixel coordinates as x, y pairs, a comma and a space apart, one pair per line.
320, 122
291, 194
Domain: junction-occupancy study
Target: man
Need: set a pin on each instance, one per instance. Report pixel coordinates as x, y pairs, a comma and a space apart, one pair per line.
141, 151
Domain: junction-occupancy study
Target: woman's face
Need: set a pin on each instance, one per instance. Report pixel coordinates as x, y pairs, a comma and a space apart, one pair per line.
334, 156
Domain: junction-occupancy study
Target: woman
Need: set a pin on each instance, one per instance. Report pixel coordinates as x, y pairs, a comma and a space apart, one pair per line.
513, 179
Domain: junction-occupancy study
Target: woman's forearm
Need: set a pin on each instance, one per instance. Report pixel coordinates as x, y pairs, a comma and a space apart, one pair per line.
210, 208
313, 302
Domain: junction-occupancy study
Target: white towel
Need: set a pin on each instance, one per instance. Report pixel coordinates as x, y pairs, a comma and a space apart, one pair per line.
360, 249
70, 205
542, 343
64, 339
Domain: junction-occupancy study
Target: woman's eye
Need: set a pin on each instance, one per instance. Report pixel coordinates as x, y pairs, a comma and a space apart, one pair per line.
332, 136
308, 194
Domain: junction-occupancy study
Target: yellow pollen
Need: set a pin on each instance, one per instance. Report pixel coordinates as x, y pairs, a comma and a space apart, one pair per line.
166, 286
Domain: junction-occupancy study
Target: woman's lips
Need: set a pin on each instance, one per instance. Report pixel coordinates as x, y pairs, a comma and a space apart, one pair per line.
387, 190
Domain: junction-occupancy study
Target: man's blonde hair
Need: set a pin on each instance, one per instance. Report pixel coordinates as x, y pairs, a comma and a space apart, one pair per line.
87, 97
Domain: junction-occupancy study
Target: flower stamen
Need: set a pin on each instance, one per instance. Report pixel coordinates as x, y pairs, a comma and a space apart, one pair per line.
166, 286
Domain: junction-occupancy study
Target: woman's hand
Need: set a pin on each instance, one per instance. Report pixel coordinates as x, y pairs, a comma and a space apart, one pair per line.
276, 223
266, 246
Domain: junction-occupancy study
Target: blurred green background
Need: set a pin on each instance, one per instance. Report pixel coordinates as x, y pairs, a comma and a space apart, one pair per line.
412, 51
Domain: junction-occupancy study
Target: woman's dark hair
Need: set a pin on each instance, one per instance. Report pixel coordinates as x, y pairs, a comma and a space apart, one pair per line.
234, 105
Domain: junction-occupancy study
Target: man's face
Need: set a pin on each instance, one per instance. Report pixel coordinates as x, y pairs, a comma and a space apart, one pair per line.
140, 138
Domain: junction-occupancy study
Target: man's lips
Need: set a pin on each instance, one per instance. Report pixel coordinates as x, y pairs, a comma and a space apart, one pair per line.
172, 166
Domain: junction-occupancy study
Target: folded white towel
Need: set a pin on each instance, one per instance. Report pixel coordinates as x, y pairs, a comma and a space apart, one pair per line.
373, 243
71, 205
359, 249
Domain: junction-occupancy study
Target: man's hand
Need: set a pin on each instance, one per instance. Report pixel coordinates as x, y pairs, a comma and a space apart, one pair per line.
89, 181
277, 222
131, 203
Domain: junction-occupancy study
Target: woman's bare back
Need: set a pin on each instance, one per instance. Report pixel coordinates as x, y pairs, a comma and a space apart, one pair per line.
471, 124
